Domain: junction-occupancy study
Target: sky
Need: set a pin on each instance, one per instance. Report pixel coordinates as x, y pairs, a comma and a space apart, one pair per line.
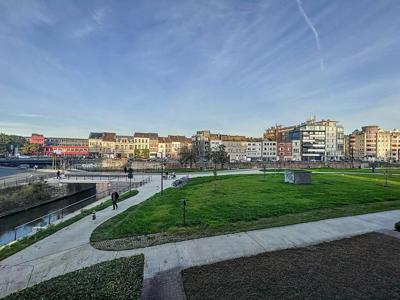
174, 67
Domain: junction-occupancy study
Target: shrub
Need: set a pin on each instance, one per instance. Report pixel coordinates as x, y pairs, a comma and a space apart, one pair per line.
397, 226
116, 279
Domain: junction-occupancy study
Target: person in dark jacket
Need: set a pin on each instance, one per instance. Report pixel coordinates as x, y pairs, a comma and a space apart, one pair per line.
114, 199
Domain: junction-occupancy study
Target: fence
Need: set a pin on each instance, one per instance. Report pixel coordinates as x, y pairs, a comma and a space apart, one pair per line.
97, 176
19, 180
45, 220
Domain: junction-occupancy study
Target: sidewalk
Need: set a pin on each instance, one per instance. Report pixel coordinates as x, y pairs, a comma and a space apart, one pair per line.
69, 249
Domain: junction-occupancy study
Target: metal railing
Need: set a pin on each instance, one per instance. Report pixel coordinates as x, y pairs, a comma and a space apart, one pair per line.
44, 221
19, 180
97, 176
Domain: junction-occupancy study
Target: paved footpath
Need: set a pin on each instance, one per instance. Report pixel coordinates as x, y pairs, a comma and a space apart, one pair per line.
69, 249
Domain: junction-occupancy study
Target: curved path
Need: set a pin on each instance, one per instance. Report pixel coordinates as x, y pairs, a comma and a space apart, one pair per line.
69, 249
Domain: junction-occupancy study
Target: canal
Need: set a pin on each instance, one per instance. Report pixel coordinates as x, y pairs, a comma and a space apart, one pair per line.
25, 222
5, 171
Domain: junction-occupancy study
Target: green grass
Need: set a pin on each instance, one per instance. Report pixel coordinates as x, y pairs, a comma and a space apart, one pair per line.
393, 171
116, 279
379, 170
244, 202
29, 240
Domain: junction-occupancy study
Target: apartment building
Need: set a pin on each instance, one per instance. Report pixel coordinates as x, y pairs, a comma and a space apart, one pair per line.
383, 144
334, 140
37, 139
178, 143
164, 147
215, 143
254, 149
102, 144
125, 146
296, 150
236, 149
66, 146
204, 142
269, 150
201, 143
373, 143
318, 140
395, 145
284, 151
142, 144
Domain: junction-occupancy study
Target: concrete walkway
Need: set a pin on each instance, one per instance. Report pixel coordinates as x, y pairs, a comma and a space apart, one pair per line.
69, 249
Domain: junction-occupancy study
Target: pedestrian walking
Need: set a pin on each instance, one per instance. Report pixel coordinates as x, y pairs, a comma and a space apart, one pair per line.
114, 199
58, 174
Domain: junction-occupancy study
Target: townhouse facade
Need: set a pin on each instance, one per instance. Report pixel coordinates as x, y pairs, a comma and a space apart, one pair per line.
102, 144
124, 146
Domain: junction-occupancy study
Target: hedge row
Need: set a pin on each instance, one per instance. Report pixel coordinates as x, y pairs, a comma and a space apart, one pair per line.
120, 278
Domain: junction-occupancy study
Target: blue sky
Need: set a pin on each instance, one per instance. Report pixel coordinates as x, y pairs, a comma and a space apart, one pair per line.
174, 67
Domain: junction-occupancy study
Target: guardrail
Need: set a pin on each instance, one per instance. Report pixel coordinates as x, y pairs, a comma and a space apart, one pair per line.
44, 221
19, 180
96, 176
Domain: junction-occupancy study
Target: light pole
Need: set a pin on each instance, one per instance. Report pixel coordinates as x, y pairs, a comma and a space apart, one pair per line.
387, 169
162, 174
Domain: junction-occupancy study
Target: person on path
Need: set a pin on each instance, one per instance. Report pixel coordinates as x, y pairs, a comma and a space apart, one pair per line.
58, 174
114, 199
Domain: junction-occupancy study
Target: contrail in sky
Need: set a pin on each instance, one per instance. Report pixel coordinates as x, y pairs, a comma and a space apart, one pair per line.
315, 32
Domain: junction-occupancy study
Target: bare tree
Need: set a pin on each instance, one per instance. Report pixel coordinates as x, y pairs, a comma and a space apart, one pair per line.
219, 157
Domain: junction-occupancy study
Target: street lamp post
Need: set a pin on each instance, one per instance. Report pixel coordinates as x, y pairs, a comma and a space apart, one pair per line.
387, 169
162, 174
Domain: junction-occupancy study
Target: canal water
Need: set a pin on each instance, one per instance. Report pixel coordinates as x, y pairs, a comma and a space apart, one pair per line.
4, 171
24, 223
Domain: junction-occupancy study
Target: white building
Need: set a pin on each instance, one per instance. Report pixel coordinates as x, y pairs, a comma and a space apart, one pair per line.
296, 150
269, 150
236, 149
334, 140
254, 150
214, 144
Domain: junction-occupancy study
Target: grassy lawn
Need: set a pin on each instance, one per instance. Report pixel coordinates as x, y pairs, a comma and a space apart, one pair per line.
116, 279
380, 170
363, 267
393, 171
9, 250
245, 202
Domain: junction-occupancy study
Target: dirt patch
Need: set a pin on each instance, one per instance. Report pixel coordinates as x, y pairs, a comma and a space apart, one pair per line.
367, 266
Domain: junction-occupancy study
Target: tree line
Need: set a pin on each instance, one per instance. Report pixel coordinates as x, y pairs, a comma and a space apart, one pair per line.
9, 144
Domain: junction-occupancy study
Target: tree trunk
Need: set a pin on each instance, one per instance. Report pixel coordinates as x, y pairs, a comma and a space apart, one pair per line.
215, 177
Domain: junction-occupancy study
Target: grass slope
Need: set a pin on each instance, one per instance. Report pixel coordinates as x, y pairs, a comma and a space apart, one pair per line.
116, 279
246, 202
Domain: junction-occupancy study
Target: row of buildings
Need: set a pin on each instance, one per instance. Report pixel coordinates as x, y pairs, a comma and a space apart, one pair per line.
111, 145
313, 140
143, 145
310, 141
374, 143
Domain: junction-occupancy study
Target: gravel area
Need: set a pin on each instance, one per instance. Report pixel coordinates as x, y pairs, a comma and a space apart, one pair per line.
363, 267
